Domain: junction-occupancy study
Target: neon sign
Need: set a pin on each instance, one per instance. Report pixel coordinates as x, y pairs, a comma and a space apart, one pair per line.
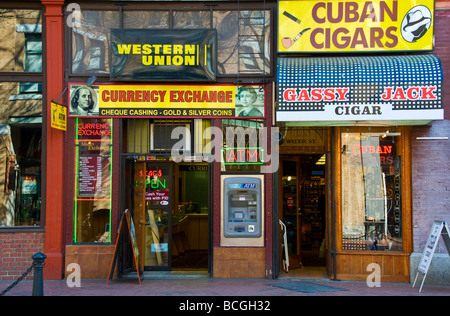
151, 173
385, 150
94, 129
152, 178
372, 154
243, 155
156, 183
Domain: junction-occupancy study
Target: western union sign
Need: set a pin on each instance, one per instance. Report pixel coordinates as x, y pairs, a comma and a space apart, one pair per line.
163, 55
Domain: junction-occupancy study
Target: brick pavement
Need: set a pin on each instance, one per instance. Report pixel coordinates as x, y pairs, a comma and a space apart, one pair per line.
218, 287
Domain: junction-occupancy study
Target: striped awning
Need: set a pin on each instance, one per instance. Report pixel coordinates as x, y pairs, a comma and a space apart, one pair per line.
400, 90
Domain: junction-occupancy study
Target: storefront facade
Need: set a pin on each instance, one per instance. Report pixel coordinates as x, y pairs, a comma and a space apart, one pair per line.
176, 108
211, 130
354, 115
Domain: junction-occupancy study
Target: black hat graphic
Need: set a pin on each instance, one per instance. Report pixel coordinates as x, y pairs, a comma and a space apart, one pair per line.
416, 25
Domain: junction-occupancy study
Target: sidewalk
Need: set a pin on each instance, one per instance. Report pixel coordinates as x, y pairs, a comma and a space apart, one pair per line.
224, 287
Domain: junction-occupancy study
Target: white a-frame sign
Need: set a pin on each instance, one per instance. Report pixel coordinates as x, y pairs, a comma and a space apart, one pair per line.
437, 230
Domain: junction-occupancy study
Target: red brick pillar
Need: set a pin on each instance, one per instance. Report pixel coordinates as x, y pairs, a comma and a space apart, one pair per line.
53, 141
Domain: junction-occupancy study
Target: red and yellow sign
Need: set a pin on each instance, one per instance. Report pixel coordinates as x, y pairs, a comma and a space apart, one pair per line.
355, 26
165, 100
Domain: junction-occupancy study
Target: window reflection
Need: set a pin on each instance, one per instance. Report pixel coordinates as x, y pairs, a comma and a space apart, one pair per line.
21, 40
90, 41
371, 192
20, 154
243, 40
93, 173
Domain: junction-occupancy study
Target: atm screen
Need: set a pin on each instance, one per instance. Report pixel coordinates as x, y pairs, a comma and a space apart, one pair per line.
238, 215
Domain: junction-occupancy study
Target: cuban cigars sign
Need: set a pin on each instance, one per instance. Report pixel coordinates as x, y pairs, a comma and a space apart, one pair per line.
355, 26
163, 55
165, 100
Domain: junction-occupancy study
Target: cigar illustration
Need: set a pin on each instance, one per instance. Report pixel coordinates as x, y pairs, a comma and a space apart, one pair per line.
293, 18
287, 42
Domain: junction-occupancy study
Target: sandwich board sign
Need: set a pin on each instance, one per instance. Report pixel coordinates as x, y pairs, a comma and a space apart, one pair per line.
126, 226
438, 229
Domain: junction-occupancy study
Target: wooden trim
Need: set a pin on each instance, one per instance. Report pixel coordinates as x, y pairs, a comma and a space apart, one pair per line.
395, 265
353, 265
338, 187
406, 190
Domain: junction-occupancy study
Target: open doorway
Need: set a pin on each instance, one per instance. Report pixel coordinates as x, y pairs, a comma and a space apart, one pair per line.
302, 205
169, 204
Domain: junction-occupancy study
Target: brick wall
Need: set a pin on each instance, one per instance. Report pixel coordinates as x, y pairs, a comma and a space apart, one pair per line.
16, 250
431, 158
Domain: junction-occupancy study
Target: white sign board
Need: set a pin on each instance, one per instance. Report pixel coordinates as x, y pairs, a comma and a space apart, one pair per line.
438, 229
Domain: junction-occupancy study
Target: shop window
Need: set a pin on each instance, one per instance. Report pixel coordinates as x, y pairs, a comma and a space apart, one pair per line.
244, 42
93, 174
192, 19
371, 191
90, 41
20, 157
157, 19
244, 36
20, 40
33, 53
21, 174
146, 136
20, 119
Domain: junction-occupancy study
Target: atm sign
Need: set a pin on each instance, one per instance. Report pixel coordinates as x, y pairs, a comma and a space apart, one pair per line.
242, 186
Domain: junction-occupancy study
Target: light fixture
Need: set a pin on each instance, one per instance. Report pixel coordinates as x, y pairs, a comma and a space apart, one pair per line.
91, 81
321, 161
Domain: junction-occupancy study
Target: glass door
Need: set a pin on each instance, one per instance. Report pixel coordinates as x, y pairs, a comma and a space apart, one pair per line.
152, 203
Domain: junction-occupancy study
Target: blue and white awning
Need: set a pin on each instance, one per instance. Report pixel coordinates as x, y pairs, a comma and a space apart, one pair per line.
400, 90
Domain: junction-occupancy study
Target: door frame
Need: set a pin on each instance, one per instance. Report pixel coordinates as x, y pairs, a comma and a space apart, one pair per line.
296, 159
124, 198
330, 231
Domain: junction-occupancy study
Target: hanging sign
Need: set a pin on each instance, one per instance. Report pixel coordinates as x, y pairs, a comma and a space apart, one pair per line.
163, 55
355, 26
360, 88
166, 100
438, 229
59, 116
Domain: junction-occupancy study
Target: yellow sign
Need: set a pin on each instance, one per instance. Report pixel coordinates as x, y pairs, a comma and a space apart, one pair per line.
180, 100
59, 116
355, 26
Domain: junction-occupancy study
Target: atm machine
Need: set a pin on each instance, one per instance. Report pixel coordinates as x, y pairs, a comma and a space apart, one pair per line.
242, 207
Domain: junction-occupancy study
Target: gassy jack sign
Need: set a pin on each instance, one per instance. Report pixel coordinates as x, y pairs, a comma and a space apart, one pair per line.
362, 88
355, 26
